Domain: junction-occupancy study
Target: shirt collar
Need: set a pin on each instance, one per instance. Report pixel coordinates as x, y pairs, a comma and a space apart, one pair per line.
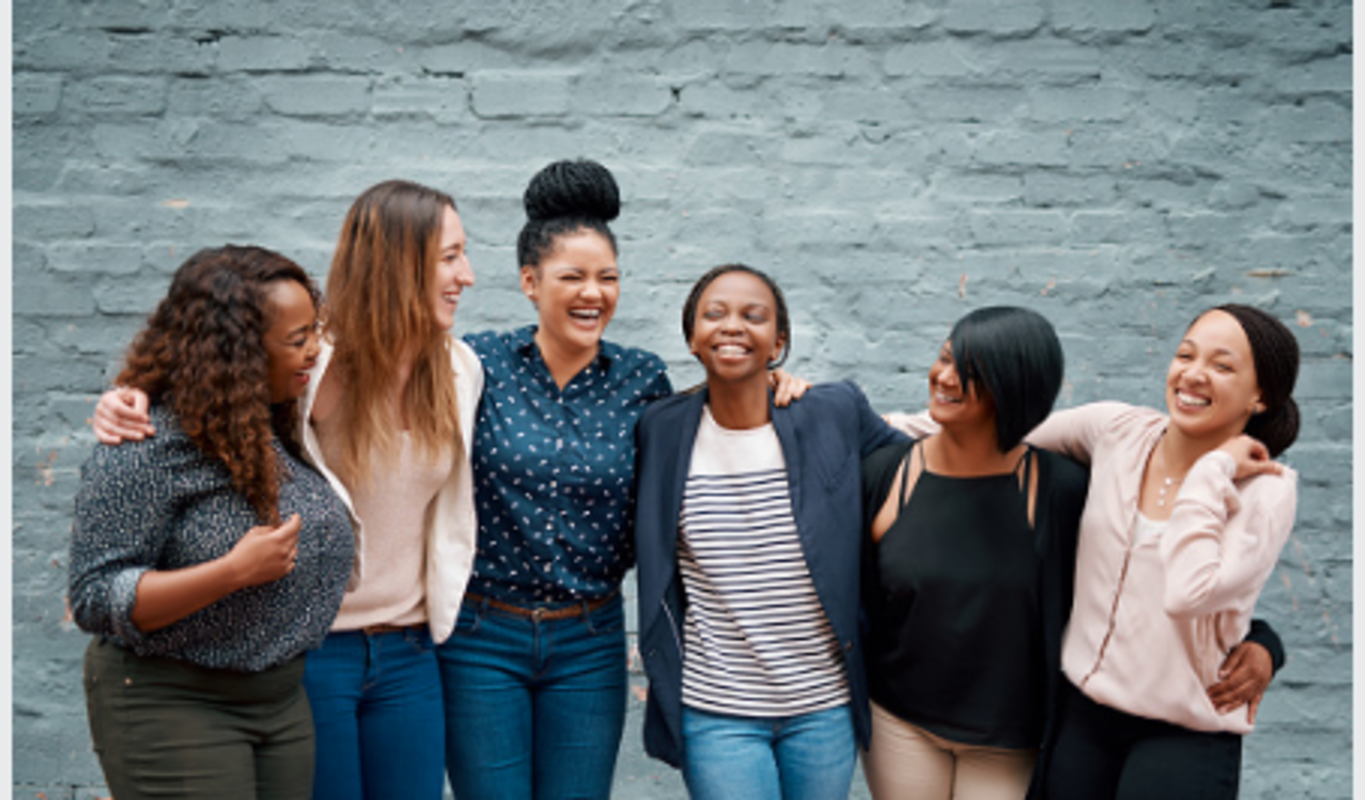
523, 342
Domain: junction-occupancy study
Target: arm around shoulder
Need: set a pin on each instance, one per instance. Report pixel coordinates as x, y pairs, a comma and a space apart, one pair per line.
1224, 538
1075, 432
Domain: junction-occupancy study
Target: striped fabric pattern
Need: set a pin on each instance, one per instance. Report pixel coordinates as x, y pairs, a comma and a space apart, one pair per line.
757, 642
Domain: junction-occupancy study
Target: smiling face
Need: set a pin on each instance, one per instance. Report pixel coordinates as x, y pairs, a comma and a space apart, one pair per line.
735, 333
574, 289
291, 340
453, 273
950, 401
1211, 387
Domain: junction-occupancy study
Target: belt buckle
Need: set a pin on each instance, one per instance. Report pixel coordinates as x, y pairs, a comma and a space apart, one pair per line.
538, 613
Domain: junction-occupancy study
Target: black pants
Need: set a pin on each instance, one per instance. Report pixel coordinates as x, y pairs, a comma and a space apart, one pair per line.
1102, 753
169, 729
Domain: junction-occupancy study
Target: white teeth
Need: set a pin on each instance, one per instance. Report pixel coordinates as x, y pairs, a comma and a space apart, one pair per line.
731, 350
943, 398
1191, 400
585, 313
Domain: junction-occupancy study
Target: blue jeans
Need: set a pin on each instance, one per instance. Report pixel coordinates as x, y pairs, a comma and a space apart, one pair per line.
377, 713
805, 757
534, 709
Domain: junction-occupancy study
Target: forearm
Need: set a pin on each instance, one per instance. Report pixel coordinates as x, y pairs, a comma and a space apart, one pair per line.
168, 596
1222, 542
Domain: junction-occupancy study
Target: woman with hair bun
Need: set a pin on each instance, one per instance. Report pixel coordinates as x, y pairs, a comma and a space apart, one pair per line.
535, 672
1185, 520
201, 599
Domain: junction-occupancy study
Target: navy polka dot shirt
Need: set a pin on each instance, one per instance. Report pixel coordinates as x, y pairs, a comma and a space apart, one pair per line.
162, 504
554, 470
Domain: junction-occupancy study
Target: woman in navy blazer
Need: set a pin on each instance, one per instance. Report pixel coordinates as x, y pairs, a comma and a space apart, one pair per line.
736, 323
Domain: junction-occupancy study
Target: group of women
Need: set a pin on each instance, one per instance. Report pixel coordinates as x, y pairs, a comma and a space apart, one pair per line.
443, 525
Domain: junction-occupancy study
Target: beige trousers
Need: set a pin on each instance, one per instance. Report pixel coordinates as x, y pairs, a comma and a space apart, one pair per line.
906, 762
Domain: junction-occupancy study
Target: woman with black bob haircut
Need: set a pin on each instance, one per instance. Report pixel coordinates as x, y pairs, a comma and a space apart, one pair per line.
1012, 353
202, 600
1184, 524
972, 538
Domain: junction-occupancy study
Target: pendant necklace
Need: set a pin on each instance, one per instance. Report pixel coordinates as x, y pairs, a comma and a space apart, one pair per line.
1166, 480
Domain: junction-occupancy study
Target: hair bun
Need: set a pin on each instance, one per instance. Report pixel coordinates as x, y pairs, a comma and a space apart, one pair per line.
581, 188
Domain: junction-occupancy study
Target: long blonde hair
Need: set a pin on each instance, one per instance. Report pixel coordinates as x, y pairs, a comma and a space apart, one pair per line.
379, 309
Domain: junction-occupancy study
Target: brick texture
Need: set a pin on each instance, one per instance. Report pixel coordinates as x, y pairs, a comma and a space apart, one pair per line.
1116, 165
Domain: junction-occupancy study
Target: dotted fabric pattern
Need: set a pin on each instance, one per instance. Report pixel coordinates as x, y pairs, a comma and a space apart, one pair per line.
554, 469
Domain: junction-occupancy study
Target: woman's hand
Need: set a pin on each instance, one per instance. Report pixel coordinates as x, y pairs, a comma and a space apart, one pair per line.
121, 416
1243, 679
266, 554
786, 387
1251, 456
262, 555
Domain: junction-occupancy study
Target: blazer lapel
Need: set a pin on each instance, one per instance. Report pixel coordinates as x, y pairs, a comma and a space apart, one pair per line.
785, 427
687, 441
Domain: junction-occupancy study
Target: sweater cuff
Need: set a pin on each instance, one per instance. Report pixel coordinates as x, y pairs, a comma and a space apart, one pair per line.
1222, 461
122, 598
1261, 633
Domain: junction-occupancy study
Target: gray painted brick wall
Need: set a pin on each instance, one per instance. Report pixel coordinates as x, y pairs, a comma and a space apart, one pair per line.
1117, 165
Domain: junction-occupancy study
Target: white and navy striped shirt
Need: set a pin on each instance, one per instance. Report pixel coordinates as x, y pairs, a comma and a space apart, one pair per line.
758, 643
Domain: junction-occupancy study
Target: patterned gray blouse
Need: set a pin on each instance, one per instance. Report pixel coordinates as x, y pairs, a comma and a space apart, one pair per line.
162, 504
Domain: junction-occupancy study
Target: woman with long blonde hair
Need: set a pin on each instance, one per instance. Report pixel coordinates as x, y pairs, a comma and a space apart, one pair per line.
393, 406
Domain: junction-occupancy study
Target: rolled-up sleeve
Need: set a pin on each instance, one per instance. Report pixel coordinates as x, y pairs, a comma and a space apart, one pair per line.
121, 515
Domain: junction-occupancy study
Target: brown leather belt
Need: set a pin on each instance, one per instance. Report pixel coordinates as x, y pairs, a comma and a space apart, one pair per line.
371, 630
541, 613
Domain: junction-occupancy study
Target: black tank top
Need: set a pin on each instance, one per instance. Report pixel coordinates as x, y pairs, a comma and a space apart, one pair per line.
955, 645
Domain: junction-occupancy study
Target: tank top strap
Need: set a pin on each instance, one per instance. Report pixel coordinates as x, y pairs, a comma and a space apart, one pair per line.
905, 471
1024, 468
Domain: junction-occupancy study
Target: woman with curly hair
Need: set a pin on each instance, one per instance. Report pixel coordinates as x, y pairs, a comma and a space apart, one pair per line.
202, 600
386, 419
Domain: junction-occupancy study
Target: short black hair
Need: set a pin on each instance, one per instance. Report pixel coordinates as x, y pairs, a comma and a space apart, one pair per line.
784, 325
562, 198
1013, 355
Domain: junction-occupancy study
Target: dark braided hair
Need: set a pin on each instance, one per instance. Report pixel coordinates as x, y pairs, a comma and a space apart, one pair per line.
566, 197
784, 325
203, 355
1275, 356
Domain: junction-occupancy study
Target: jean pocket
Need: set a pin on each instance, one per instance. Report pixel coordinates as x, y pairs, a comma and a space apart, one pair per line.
469, 620
419, 639
610, 618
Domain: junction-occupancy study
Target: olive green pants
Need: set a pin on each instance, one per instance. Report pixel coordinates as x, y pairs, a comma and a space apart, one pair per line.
164, 728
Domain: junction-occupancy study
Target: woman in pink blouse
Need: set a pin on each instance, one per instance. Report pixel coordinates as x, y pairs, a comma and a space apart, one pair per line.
1183, 524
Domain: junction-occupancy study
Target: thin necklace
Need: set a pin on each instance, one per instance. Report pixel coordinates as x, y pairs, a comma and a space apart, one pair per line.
1166, 480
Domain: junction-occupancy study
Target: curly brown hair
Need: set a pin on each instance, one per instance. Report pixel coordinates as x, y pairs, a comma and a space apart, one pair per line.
203, 355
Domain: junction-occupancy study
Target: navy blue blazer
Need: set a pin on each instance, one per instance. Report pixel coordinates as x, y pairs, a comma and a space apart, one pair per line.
824, 436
